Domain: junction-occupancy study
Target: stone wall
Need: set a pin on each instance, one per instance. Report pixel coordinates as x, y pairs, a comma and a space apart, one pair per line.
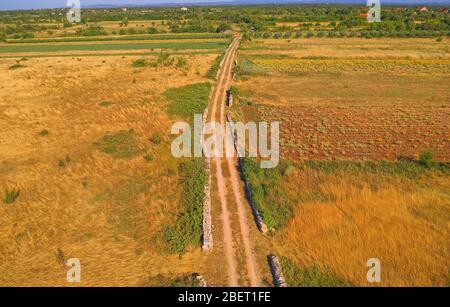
256, 213
277, 274
207, 219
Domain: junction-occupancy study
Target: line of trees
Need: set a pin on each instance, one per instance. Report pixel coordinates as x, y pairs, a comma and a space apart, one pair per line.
264, 18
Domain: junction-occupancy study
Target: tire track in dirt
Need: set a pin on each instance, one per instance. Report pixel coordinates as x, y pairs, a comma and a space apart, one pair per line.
221, 186
239, 199
223, 84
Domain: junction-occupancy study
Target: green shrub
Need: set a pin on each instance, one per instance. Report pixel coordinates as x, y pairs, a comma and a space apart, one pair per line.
105, 103
152, 30
164, 59
222, 27
140, 63
156, 138
60, 257
16, 66
11, 196
44, 132
181, 62
148, 157
426, 158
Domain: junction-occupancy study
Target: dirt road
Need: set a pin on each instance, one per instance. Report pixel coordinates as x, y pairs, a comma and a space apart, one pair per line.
236, 199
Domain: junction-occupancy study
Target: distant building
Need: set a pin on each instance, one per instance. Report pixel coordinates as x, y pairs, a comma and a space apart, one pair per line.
184, 8
363, 14
124, 9
422, 9
444, 10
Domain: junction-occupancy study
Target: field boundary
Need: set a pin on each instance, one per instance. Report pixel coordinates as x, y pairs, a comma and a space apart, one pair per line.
208, 241
277, 273
248, 192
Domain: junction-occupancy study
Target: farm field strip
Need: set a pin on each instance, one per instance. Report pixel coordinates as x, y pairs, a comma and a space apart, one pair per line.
118, 38
124, 42
112, 53
105, 47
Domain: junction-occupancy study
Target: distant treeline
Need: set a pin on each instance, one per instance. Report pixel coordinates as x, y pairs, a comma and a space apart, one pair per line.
265, 18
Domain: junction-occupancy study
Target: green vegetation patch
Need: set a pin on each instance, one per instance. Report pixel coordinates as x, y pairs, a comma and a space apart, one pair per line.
408, 168
121, 38
11, 196
105, 103
187, 280
104, 47
247, 68
120, 145
188, 100
212, 72
16, 66
140, 63
188, 227
310, 276
44, 132
274, 204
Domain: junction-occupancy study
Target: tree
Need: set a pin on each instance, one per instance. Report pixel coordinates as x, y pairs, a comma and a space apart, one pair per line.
223, 27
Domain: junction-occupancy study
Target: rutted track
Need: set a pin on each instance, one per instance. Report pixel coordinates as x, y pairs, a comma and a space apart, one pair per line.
217, 114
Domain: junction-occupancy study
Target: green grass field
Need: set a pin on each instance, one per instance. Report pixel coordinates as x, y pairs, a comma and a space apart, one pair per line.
121, 38
106, 47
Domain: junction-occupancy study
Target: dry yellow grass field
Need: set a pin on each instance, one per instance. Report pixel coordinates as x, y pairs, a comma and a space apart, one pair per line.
75, 200
402, 222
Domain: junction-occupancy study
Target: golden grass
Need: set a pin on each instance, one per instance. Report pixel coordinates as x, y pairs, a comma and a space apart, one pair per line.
106, 211
404, 223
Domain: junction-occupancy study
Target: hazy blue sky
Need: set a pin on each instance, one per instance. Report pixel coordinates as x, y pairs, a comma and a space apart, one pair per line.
34, 4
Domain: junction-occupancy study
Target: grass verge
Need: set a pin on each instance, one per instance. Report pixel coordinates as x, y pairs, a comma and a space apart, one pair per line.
188, 226
310, 276
212, 72
188, 100
275, 205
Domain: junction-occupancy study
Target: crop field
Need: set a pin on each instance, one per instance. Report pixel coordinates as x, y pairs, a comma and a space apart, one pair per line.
119, 38
365, 149
86, 168
348, 108
24, 49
